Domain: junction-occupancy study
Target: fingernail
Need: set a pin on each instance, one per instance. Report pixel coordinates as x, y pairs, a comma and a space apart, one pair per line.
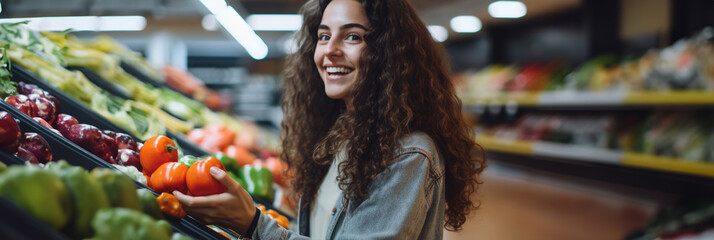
215, 171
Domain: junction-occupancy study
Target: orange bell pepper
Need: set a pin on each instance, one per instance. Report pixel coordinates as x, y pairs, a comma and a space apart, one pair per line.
169, 205
282, 220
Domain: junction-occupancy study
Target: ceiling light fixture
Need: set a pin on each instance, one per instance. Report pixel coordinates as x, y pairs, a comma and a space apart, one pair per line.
82, 23
465, 24
507, 9
237, 28
275, 22
438, 32
209, 23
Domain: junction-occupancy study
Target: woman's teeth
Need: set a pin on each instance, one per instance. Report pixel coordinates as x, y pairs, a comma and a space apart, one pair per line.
338, 70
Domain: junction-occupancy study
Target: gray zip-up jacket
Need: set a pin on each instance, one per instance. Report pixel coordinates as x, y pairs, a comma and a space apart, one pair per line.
406, 201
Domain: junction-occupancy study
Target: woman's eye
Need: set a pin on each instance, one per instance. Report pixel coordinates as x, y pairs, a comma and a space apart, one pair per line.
323, 37
353, 37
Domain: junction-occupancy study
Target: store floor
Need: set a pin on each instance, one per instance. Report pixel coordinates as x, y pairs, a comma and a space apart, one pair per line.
527, 207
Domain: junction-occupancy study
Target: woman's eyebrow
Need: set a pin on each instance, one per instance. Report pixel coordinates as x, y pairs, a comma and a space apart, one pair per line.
343, 27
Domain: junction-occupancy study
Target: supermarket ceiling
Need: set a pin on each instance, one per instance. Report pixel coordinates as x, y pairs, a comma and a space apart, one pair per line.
181, 19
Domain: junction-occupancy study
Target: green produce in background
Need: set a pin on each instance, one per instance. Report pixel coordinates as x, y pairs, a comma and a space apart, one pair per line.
39, 192
127, 224
231, 164
188, 160
149, 205
258, 181
178, 236
3, 167
119, 188
7, 86
238, 179
86, 195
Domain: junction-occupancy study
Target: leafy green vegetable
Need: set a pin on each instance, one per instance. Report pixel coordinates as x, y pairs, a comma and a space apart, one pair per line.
7, 86
18, 34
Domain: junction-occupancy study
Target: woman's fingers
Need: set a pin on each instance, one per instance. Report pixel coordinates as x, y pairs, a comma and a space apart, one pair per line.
197, 202
222, 177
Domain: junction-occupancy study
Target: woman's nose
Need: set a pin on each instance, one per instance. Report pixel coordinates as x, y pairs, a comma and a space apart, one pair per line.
333, 48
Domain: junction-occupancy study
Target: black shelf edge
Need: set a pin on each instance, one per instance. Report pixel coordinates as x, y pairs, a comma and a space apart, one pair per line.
15, 223
10, 159
102, 83
128, 68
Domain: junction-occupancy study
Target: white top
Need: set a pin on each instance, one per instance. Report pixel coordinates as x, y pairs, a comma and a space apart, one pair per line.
325, 201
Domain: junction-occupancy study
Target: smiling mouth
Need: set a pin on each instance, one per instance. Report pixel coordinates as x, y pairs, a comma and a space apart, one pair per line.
337, 72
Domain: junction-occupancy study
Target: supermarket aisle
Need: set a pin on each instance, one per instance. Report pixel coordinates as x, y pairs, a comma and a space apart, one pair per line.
517, 207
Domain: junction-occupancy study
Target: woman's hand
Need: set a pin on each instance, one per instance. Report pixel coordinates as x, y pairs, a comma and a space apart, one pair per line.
233, 209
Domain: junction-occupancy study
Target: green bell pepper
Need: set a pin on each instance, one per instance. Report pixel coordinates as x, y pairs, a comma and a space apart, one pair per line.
125, 224
238, 179
259, 181
228, 162
149, 205
3, 167
120, 189
86, 195
39, 192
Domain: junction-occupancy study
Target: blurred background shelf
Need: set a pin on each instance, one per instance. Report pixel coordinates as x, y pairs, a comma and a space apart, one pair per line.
586, 99
672, 175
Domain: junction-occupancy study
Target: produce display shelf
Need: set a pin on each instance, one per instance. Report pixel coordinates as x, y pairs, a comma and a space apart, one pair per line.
86, 115
597, 155
670, 98
69, 105
102, 83
61, 147
131, 70
75, 155
668, 164
520, 99
592, 98
128, 68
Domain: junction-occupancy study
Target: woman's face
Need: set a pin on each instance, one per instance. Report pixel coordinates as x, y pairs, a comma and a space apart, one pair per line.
339, 46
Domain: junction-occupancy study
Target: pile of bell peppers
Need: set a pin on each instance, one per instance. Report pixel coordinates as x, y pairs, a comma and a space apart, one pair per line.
103, 204
254, 178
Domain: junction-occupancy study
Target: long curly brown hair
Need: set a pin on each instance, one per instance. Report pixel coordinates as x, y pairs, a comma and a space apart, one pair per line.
403, 87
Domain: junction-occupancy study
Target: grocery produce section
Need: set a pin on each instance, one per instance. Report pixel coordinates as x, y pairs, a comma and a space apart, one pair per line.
664, 139
639, 122
76, 106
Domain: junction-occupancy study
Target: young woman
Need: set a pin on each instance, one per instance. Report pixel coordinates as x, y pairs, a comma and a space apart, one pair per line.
373, 132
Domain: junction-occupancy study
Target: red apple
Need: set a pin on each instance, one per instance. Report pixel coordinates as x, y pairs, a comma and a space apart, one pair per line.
9, 132
64, 122
128, 157
26, 155
37, 145
22, 103
124, 141
43, 108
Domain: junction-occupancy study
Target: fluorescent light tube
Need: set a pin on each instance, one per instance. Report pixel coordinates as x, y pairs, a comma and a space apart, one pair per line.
465, 24
275, 22
83, 23
237, 28
507, 9
438, 32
